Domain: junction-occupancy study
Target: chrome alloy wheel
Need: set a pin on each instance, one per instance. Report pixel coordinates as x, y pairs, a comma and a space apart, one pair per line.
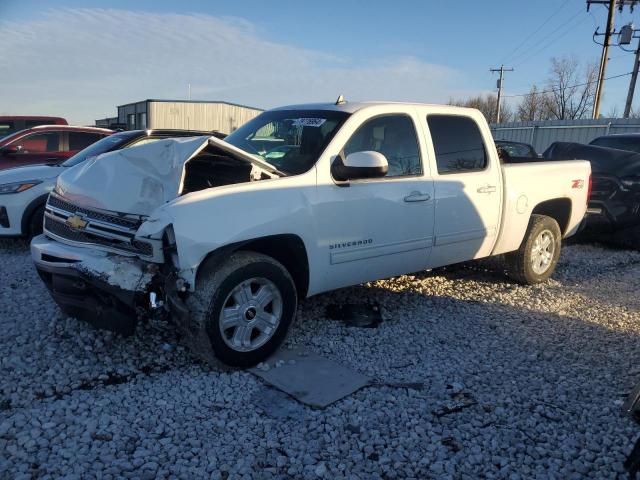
544, 247
251, 314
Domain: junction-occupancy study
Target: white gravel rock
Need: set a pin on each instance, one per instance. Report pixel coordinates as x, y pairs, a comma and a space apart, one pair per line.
533, 377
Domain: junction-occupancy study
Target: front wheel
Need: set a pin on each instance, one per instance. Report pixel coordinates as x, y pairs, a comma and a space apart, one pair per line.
536, 259
246, 306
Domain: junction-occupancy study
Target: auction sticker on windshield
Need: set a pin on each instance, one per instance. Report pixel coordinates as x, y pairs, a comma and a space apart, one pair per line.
308, 122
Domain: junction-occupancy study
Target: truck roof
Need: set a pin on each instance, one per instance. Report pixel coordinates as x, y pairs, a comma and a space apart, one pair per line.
352, 107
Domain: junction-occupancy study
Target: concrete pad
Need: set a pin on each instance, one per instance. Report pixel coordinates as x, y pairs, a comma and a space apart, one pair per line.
310, 378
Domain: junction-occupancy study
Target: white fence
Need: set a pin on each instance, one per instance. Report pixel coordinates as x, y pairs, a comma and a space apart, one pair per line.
541, 134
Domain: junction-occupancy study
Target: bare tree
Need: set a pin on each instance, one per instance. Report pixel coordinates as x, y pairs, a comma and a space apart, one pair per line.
533, 106
487, 105
570, 93
613, 112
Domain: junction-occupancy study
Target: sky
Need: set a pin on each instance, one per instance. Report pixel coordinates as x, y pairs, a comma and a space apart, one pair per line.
80, 59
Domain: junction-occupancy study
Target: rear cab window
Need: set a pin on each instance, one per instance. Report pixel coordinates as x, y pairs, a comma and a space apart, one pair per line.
458, 144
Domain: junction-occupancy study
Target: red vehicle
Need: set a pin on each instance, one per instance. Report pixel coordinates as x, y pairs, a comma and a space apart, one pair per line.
13, 124
46, 144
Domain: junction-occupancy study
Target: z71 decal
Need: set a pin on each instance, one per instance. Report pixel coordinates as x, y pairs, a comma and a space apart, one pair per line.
577, 183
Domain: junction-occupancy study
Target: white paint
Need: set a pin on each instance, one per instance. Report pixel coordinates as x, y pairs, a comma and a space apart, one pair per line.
17, 203
521, 206
138, 179
366, 159
127, 273
385, 235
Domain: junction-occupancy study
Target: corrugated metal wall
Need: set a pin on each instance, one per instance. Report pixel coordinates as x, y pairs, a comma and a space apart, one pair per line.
541, 134
223, 117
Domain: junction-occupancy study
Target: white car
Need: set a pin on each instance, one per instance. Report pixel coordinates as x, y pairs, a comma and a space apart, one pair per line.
229, 235
24, 190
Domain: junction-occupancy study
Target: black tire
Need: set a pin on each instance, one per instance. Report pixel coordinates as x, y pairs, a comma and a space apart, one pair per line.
35, 221
520, 265
213, 289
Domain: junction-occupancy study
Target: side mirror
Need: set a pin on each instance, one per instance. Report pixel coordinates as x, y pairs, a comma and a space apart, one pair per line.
12, 149
359, 165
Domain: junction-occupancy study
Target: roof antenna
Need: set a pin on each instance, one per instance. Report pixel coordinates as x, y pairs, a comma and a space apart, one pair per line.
340, 100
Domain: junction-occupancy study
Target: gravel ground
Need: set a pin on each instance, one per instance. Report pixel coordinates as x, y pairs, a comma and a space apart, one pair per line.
508, 382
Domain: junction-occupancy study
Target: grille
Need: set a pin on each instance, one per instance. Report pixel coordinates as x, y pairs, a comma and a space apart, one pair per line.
62, 230
57, 202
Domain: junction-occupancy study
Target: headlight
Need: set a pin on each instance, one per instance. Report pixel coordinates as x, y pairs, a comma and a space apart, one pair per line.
18, 187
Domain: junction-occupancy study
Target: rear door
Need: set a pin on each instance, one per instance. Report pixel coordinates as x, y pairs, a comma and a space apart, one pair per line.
468, 195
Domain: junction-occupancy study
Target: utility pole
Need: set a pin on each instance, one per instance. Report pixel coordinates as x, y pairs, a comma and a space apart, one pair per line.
604, 57
499, 85
632, 83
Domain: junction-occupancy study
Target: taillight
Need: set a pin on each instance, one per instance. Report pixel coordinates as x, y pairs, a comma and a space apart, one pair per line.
589, 189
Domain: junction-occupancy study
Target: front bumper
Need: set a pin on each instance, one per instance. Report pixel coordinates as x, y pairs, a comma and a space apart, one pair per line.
103, 289
612, 207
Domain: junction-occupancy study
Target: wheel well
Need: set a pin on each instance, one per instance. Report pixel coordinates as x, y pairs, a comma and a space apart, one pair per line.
29, 211
288, 249
559, 209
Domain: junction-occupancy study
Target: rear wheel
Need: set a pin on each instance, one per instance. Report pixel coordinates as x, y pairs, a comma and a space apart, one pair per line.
536, 259
246, 306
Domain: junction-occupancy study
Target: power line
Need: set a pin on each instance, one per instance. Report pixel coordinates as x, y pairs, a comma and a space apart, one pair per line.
570, 86
567, 30
510, 54
572, 17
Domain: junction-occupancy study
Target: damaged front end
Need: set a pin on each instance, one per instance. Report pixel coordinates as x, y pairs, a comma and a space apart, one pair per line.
106, 290
108, 254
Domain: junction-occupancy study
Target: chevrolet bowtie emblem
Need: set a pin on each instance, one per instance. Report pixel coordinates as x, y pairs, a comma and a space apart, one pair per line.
76, 221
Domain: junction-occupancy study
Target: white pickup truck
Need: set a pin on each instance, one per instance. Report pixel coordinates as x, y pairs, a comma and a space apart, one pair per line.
229, 235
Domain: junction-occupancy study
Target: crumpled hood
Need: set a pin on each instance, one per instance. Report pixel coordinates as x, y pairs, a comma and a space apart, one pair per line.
136, 180
32, 172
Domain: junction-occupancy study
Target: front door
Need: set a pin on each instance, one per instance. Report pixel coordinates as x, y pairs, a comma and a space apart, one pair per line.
376, 228
42, 147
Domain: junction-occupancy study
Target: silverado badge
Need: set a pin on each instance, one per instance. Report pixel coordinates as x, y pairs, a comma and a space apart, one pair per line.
76, 222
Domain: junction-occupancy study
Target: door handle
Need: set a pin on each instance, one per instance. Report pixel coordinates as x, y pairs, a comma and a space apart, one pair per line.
487, 189
417, 197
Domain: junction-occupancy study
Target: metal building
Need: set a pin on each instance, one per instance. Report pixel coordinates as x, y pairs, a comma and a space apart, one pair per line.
185, 115
541, 134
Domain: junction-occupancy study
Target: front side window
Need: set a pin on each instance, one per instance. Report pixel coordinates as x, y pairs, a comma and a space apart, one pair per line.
458, 144
290, 140
39, 143
394, 136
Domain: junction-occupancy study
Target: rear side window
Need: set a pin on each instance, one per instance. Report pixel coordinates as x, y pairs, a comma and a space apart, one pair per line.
81, 140
458, 144
395, 137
